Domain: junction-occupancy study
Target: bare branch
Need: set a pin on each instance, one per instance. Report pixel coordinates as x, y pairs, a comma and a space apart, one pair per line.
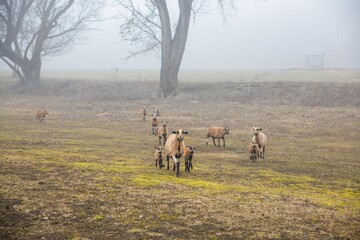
141, 26
31, 29
16, 70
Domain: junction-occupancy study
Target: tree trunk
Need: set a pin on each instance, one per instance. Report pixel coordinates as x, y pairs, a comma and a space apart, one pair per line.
168, 79
15, 69
31, 71
172, 49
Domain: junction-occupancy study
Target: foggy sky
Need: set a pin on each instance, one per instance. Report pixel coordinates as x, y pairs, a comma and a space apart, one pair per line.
269, 34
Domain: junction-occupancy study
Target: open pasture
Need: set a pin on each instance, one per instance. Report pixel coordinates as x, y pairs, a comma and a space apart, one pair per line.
88, 172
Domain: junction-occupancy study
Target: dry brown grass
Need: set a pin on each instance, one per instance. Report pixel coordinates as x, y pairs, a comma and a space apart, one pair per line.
87, 172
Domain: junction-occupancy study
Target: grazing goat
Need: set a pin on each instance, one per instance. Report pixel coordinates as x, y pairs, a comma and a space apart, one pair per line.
163, 132
40, 115
217, 133
253, 150
154, 124
175, 148
144, 113
188, 155
260, 139
158, 156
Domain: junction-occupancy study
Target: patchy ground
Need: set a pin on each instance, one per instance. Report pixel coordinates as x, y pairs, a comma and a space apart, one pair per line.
88, 173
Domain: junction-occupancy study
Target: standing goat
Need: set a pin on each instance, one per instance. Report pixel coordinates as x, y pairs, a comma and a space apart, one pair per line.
40, 115
143, 114
188, 155
260, 139
158, 156
253, 150
217, 133
163, 132
154, 124
175, 148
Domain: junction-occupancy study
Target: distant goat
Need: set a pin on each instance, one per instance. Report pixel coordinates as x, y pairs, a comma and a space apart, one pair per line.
163, 132
217, 133
40, 115
175, 148
143, 114
260, 139
188, 155
154, 124
158, 156
157, 112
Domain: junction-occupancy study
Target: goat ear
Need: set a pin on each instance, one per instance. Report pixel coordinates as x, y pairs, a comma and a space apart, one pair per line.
174, 132
156, 147
260, 129
185, 132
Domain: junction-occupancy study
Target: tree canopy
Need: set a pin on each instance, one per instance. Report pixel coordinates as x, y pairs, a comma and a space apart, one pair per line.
32, 29
150, 28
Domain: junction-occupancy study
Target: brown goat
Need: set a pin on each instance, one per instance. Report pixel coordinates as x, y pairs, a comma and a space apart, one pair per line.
154, 124
143, 114
40, 115
253, 150
158, 156
260, 139
175, 148
188, 155
163, 132
217, 133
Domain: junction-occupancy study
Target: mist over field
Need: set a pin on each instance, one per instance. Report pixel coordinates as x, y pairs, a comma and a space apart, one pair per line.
258, 34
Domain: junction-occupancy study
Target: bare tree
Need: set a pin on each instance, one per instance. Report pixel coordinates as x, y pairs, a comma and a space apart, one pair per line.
150, 28
32, 29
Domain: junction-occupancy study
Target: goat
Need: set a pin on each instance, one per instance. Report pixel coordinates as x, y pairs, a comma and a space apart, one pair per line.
253, 150
260, 139
154, 124
40, 115
175, 148
144, 113
163, 132
217, 133
158, 156
157, 112
188, 155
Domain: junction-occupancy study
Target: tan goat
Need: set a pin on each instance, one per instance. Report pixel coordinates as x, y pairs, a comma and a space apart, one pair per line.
163, 132
188, 155
143, 114
253, 149
260, 139
40, 115
158, 156
154, 124
175, 148
217, 133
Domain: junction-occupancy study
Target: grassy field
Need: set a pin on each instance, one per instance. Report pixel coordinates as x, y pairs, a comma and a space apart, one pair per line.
88, 172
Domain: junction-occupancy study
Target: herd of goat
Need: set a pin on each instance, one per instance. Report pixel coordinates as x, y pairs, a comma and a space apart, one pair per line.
172, 145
